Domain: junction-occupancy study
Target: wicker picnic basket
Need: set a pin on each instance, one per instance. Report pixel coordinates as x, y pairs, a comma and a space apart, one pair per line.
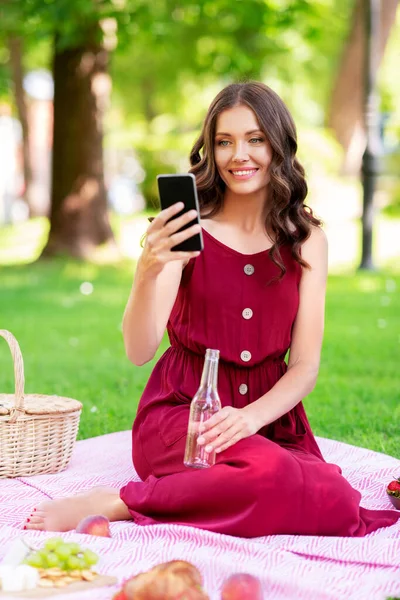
37, 433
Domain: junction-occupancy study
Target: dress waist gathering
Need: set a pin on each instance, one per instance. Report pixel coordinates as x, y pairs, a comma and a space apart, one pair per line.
199, 355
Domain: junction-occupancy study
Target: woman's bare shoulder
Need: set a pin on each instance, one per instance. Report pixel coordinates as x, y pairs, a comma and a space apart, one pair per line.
317, 239
315, 248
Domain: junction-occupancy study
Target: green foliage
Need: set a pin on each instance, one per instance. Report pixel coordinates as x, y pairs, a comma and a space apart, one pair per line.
389, 84
171, 59
390, 182
165, 91
161, 44
154, 164
392, 209
69, 20
390, 93
282, 41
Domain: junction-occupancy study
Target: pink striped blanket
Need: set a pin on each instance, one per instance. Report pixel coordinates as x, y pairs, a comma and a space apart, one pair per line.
290, 567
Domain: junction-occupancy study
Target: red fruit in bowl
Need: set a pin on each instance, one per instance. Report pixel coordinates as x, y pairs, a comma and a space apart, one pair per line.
242, 586
393, 491
94, 525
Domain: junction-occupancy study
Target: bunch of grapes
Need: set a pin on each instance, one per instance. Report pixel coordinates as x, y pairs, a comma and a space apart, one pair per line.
68, 556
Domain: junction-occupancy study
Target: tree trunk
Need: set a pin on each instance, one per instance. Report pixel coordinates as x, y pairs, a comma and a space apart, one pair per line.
373, 150
15, 48
346, 115
79, 219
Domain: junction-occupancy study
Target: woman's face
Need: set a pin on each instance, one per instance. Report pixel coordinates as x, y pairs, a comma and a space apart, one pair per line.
242, 152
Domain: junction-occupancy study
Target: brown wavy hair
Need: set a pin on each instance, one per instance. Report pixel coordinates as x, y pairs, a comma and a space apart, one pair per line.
288, 219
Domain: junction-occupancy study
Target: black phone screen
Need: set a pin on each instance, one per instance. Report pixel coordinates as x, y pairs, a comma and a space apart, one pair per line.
181, 188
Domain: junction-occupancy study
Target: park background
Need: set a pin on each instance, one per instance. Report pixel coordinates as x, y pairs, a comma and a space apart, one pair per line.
98, 97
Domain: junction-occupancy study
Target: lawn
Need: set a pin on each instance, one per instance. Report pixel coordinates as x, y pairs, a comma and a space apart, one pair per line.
67, 318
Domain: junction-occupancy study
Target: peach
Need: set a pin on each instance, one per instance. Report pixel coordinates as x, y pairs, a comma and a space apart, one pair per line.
119, 596
94, 525
241, 586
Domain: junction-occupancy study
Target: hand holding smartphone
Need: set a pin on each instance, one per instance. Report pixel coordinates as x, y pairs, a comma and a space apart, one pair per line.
181, 188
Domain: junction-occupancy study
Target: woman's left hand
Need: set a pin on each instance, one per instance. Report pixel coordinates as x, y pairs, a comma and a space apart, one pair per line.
226, 427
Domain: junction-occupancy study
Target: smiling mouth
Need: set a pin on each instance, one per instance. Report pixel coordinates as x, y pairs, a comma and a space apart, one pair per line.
243, 173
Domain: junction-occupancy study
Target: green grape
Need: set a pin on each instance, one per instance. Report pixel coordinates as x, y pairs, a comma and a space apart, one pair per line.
63, 551
52, 543
74, 548
73, 563
43, 554
90, 558
78, 562
52, 559
34, 560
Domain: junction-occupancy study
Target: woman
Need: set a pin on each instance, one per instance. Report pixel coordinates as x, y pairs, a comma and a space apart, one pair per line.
255, 292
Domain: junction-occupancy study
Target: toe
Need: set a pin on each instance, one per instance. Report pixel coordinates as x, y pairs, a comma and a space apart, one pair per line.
35, 526
35, 520
38, 514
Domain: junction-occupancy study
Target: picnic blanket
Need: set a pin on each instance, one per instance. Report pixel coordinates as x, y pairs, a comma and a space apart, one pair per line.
290, 567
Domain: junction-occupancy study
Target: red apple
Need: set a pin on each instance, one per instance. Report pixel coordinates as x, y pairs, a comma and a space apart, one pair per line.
241, 586
94, 525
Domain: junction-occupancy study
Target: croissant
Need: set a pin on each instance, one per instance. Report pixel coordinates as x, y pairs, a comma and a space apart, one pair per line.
174, 580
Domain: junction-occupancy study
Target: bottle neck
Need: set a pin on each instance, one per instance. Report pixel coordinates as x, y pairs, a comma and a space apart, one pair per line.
209, 376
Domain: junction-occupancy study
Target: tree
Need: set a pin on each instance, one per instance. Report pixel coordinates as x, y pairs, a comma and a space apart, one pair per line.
15, 48
12, 43
354, 111
78, 218
346, 111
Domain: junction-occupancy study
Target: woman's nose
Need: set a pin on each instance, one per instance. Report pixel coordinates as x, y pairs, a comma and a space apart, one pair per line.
240, 152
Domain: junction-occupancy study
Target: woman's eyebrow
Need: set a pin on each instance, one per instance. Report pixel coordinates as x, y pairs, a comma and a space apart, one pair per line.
247, 132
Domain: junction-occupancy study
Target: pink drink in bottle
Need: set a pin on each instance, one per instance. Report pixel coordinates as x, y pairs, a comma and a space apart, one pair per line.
204, 405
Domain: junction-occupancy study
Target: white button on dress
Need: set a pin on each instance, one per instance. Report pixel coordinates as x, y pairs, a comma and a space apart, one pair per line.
243, 389
247, 313
245, 356
249, 269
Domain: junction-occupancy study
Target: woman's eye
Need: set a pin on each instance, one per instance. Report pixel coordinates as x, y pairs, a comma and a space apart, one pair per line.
256, 140
223, 143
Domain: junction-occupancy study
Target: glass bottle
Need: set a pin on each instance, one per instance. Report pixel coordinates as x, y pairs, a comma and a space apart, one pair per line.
204, 405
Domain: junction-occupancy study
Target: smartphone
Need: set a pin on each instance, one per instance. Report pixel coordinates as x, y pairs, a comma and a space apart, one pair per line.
181, 188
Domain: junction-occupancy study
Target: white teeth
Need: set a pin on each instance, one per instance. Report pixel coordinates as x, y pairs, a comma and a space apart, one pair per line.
244, 172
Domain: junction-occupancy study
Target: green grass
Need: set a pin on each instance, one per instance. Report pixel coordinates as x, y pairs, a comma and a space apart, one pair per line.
357, 397
72, 343
72, 346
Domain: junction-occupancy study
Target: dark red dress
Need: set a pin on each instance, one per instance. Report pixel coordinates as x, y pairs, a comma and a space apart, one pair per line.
274, 482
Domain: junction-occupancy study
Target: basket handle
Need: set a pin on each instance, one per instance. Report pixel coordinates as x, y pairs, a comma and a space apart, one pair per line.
18, 374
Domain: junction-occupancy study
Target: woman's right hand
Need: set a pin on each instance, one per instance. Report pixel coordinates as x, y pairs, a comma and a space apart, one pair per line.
162, 236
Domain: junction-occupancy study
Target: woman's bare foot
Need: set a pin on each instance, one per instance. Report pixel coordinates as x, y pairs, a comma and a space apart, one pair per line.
65, 514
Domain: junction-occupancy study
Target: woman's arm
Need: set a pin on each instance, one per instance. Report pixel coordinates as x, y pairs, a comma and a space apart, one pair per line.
147, 311
230, 425
156, 284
